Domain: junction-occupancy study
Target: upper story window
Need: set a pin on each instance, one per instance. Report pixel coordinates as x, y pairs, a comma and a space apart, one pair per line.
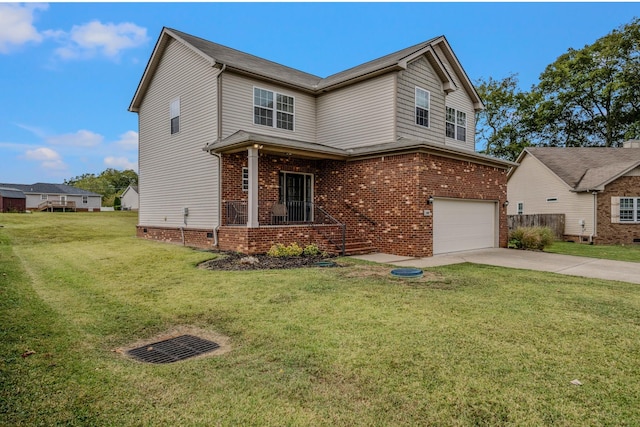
264, 107
174, 112
422, 107
456, 124
629, 209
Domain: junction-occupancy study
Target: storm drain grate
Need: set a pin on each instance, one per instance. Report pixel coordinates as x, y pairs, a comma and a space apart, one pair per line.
173, 349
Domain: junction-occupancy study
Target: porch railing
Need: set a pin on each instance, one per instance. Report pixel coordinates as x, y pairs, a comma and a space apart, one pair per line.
276, 213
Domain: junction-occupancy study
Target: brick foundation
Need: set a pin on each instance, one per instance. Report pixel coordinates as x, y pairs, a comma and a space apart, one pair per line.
196, 238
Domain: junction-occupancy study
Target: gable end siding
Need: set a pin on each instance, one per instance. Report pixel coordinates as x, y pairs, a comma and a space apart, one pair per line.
174, 171
532, 183
420, 73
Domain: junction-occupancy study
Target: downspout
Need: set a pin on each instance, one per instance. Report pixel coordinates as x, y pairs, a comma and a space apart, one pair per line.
219, 111
594, 232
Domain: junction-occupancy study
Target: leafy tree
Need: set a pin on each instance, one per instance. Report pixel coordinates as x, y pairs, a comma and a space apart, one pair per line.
502, 126
591, 96
110, 183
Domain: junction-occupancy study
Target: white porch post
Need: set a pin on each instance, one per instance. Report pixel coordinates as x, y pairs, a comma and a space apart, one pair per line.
252, 203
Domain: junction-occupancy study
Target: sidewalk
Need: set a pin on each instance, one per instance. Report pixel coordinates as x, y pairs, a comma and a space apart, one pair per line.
528, 260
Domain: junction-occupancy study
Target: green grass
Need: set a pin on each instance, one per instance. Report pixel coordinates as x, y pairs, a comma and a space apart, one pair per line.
473, 345
614, 252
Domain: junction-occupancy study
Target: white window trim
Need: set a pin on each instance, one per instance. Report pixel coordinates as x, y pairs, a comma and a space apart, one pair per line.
44, 197
245, 179
85, 200
174, 101
520, 208
455, 124
635, 208
416, 106
274, 109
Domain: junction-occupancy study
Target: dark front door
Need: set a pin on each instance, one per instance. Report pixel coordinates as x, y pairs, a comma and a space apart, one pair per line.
296, 194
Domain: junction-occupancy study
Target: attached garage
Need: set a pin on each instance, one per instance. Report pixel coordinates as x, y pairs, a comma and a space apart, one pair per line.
462, 224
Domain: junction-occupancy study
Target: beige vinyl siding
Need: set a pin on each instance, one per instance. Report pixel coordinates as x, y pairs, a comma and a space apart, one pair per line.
420, 73
460, 100
358, 115
237, 109
174, 170
533, 183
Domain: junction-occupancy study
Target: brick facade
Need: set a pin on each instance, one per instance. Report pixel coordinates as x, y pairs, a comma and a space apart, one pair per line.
381, 200
609, 233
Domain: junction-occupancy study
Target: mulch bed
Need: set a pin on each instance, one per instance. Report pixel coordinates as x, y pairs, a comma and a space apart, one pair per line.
236, 261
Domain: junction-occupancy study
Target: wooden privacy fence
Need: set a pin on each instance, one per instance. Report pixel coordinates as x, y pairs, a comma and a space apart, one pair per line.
554, 221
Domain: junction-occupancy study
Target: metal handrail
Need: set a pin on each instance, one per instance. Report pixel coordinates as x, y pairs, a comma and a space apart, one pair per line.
276, 213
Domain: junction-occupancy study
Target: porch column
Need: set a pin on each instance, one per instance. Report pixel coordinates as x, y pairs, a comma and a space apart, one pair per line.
252, 203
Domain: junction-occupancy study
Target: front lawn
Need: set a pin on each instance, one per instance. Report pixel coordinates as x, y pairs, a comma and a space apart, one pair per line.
468, 345
614, 252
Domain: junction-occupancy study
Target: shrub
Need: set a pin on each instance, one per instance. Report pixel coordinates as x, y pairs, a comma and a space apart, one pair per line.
280, 250
531, 238
311, 250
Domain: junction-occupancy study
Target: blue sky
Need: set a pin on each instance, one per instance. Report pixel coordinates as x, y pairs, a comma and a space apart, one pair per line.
68, 71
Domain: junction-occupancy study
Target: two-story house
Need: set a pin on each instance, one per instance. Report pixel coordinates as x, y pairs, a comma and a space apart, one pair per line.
238, 153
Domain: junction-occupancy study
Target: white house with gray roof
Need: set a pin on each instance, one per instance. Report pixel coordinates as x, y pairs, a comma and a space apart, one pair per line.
238, 152
596, 188
43, 196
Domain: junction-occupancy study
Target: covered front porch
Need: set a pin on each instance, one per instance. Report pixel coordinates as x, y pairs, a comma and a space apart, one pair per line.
269, 189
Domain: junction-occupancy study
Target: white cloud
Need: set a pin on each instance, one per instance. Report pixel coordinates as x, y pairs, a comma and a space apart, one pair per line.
128, 141
48, 158
82, 138
120, 163
95, 38
16, 25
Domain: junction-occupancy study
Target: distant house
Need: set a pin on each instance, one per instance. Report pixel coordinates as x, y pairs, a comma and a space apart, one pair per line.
238, 152
129, 198
43, 196
597, 188
12, 200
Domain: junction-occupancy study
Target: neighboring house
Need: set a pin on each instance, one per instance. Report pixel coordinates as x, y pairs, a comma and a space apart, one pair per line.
43, 196
12, 200
597, 188
129, 198
238, 152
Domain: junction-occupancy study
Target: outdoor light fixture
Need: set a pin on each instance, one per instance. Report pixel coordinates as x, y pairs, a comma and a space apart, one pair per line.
430, 200
506, 203
258, 146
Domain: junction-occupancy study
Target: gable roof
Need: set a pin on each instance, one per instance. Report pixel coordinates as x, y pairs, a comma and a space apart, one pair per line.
46, 188
586, 168
227, 58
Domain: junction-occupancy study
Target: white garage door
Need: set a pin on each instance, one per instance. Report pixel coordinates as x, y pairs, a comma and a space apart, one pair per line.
461, 225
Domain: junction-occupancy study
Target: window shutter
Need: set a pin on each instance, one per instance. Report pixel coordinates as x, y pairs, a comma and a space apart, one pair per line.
615, 210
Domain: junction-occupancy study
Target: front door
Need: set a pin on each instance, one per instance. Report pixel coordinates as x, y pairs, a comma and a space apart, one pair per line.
296, 193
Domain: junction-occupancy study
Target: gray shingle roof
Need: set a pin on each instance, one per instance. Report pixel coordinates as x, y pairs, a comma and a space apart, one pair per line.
253, 64
46, 188
587, 168
11, 193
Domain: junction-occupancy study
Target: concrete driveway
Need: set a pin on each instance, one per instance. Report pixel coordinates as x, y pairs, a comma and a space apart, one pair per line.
528, 260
